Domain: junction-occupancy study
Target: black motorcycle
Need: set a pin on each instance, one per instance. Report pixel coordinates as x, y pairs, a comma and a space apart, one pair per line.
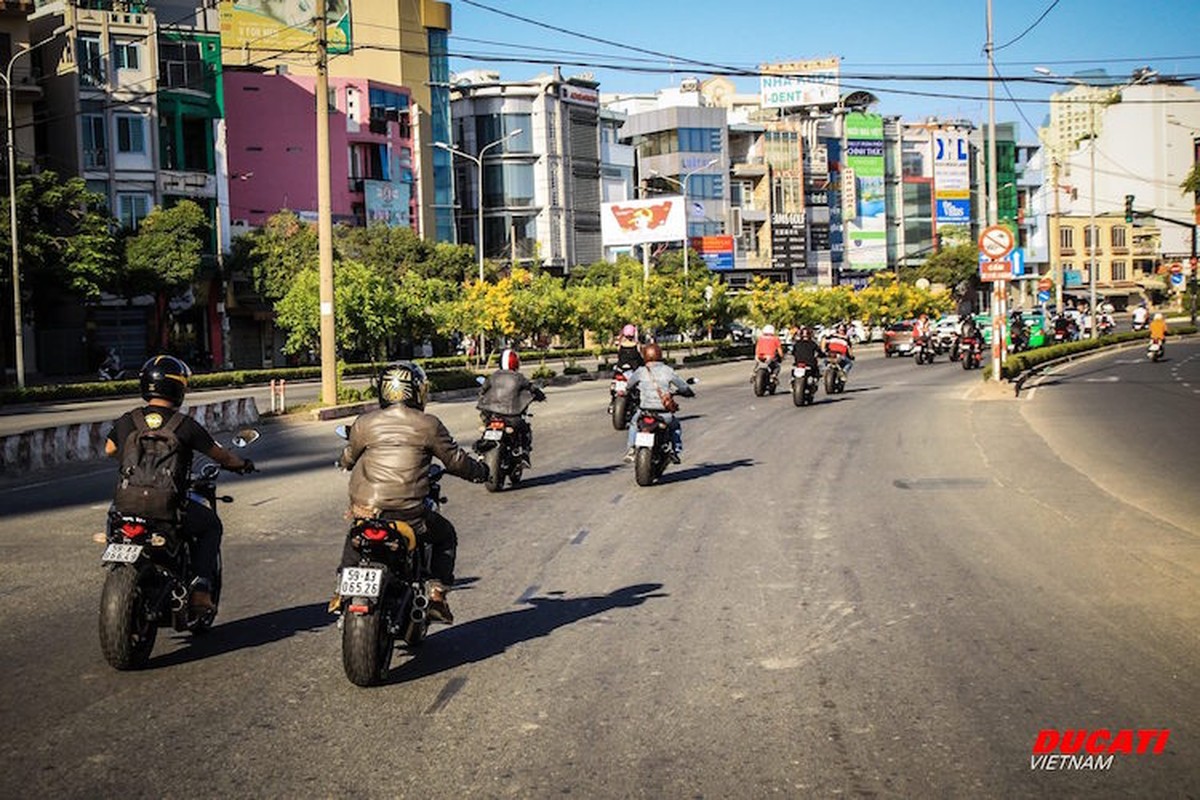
805, 380
653, 446
972, 352
385, 597
503, 449
835, 375
623, 402
923, 352
765, 377
151, 575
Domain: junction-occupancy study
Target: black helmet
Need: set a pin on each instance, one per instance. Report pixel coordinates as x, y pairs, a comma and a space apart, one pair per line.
402, 382
165, 377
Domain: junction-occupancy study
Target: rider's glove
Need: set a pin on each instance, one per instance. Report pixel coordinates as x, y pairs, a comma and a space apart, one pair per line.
246, 468
483, 476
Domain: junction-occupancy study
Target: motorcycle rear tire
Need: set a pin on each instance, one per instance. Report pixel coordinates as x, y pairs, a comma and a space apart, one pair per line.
366, 648
797, 393
966, 362
618, 412
760, 382
830, 382
643, 466
495, 480
126, 633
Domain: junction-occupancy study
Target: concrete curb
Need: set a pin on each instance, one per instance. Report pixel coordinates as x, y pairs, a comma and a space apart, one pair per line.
1018, 382
84, 441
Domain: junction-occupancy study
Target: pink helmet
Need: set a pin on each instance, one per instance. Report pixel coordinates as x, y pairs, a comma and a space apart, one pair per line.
629, 331
510, 361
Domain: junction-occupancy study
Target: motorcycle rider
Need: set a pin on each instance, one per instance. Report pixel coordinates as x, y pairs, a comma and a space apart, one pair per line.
508, 393
769, 349
1139, 316
838, 345
629, 355
920, 331
389, 452
661, 380
1158, 329
806, 351
1016, 330
164, 381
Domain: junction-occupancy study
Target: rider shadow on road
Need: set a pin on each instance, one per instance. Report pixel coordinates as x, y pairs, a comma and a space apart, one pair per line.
562, 476
485, 638
704, 470
240, 634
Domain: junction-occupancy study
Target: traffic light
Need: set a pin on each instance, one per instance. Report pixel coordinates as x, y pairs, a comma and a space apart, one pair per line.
1129, 208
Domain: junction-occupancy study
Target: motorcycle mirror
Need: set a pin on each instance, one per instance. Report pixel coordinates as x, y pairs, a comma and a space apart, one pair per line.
245, 437
479, 379
225, 498
693, 380
342, 431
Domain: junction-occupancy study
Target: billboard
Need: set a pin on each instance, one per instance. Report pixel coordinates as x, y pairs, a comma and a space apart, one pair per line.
863, 206
789, 241
641, 221
952, 178
799, 83
281, 25
717, 251
388, 202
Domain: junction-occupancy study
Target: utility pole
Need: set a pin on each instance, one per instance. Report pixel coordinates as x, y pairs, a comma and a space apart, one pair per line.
1000, 288
1055, 256
325, 214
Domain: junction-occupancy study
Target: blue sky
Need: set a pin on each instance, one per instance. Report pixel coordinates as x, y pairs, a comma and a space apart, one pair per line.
875, 39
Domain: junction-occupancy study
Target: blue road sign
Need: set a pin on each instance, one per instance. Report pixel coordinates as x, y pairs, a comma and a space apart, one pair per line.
1043, 297
1177, 279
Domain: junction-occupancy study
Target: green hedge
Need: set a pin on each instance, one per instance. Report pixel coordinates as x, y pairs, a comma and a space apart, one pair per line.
1016, 364
246, 377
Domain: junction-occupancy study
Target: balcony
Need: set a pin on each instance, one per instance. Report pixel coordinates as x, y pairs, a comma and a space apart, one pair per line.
188, 184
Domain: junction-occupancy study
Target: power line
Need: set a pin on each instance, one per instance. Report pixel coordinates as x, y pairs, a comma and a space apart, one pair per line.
1036, 22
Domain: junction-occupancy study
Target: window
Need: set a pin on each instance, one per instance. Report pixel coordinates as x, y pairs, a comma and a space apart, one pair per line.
1091, 234
1118, 269
1066, 238
95, 142
700, 140
90, 61
132, 209
125, 54
709, 186
131, 135
492, 127
507, 185
1118, 236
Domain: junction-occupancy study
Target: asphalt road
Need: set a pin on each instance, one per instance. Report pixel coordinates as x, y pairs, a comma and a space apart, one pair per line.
889, 593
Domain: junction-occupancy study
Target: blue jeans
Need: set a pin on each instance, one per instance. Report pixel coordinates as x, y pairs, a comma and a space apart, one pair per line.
672, 424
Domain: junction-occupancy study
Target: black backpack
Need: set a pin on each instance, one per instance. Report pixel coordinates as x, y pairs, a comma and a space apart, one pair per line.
149, 481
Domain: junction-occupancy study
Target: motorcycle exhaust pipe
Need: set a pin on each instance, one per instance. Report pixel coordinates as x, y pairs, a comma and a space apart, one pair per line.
417, 615
420, 601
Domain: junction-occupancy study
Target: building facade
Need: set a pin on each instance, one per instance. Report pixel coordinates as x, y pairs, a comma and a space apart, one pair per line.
541, 152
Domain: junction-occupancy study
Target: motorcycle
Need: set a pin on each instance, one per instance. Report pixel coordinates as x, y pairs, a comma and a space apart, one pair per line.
765, 377
151, 575
1155, 351
385, 597
922, 351
1019, 337
503, 450
1106, 326
622, 403
835, 376
972, 353
805, 381
653, 446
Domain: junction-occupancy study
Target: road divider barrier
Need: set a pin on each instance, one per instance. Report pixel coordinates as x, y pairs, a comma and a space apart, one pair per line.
84, 441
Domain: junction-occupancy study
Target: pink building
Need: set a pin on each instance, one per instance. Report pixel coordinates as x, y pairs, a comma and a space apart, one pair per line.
271, 145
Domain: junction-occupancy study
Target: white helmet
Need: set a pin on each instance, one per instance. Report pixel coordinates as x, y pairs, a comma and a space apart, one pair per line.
768, 330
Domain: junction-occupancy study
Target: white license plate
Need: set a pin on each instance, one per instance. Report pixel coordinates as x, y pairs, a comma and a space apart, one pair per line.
644, 439
618, 387
798, 372
122, 553
360, 582
493, 434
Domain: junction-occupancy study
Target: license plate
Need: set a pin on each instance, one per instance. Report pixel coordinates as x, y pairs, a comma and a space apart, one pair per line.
122, 553
618, 387
360, 582
493, 434
644, 439
798, 372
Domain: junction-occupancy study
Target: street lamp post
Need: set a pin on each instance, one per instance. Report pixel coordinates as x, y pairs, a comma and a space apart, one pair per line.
478, 161
18, 337
683, 187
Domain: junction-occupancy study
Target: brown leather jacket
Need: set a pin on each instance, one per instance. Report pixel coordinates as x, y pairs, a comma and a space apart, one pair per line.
390, 451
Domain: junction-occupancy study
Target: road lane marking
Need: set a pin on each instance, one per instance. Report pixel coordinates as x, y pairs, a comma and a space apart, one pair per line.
1105, 379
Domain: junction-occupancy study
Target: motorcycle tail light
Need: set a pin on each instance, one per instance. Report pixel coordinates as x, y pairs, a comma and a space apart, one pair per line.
358, 609
375, 534
133, 530
496, 424
620, 376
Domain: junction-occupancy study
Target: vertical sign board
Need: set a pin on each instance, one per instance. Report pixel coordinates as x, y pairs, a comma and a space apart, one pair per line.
952, 178
789, 245
863, 195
